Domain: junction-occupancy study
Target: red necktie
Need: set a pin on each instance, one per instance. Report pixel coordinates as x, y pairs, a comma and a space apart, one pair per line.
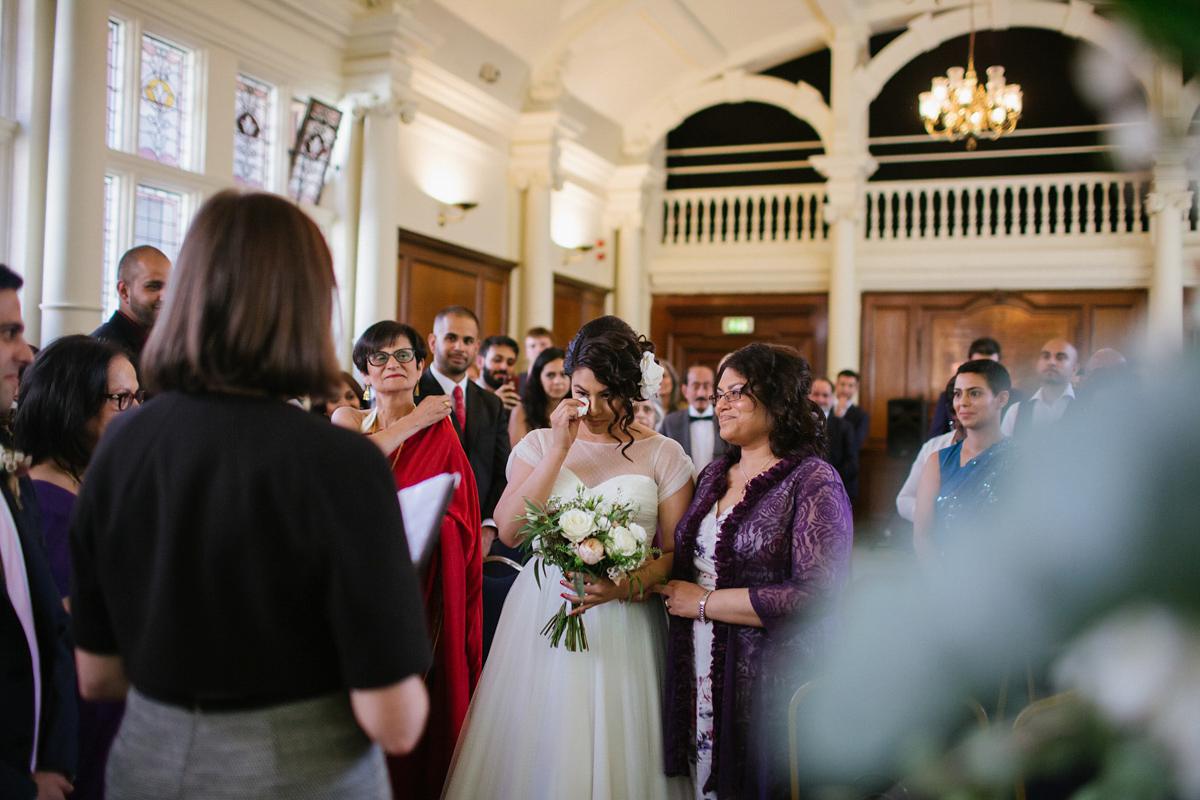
460, 411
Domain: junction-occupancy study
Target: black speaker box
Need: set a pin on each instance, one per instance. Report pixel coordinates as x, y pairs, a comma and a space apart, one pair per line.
906, 418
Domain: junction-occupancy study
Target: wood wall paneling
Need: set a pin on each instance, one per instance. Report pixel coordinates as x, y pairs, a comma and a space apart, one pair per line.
912, 343
686, 329
434, 274
575, 304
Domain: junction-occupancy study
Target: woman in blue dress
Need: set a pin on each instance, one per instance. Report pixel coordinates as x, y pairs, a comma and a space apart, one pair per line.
959, 484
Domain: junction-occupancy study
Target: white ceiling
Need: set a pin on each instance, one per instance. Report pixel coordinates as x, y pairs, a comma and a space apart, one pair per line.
620, 56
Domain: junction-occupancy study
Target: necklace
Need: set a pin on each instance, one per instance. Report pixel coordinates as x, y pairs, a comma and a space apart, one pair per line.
746, 479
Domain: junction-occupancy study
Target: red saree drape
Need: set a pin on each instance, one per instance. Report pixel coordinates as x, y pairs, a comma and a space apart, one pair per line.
453, 586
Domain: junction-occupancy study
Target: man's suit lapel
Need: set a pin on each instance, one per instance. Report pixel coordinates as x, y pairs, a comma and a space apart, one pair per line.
428, 386
475, 412
686, 434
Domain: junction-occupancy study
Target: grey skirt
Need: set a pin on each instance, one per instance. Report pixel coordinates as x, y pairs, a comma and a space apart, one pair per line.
310, 750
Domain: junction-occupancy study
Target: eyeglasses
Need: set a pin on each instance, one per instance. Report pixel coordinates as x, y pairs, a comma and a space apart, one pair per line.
125, 399
732, 396
380, 357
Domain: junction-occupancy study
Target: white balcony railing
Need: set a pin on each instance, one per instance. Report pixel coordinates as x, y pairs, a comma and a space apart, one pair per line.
756, 214
1028, 206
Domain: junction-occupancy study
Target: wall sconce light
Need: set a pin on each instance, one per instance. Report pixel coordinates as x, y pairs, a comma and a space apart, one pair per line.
574, 254
446, 215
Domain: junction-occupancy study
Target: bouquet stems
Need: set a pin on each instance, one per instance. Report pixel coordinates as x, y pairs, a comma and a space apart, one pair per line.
563, 623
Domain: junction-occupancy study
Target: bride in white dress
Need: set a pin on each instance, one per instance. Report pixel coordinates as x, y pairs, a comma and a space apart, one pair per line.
546, 723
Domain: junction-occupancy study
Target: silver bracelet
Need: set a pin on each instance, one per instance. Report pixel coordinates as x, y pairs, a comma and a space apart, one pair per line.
704, 600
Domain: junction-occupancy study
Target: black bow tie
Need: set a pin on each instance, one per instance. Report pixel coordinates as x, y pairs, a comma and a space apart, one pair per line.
694, 417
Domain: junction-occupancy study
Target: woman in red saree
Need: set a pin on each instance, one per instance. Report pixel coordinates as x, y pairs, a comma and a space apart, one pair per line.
420, 442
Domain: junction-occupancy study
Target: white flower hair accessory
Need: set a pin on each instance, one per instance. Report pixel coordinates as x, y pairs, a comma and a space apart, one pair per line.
652, 375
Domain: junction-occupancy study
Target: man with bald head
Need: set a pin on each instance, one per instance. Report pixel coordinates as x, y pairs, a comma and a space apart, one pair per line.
141, 280
1056, 366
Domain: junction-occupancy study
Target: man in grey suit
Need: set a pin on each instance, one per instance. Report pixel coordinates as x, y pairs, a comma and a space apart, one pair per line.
696, 427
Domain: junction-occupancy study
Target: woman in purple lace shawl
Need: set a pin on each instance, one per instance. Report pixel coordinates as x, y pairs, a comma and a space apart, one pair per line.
762, 556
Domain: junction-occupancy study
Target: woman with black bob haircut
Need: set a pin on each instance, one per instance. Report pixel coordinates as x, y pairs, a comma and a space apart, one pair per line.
761, 558
547, 385
238, 568
73, 389
538, 694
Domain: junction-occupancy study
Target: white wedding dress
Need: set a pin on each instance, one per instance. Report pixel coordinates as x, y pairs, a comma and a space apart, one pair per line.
549, 724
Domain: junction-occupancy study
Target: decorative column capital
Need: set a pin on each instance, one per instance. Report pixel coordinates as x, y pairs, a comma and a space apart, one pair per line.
535, 151
369, 104
628, 193
1179, 202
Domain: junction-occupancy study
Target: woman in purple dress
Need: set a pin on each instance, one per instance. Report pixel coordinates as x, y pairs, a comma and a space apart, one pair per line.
68, 396
762, 556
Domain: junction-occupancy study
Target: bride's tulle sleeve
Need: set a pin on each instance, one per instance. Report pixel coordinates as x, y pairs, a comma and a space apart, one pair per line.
529, 449
672, 468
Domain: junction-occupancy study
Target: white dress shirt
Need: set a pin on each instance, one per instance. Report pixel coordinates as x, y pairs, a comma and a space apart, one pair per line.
701, 430
1043, 412
906, 501
448, 385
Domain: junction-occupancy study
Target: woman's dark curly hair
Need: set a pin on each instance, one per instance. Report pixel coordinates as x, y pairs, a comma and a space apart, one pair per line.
382, 334
613, 352
534, 399
61, 392
779, 378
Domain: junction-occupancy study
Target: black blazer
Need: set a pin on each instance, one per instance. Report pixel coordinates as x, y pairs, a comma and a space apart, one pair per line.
57, 737
121, 332
677, 426
843, 453
857, 419
485, 440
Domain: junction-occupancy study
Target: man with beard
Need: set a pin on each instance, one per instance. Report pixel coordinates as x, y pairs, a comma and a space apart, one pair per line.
1056, 366
141, 279
497, 363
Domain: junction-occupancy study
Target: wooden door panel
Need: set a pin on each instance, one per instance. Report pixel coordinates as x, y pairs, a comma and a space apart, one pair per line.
575, 304
435, 274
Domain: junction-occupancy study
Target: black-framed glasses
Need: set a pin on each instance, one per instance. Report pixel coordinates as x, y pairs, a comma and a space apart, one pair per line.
125, 399
732, 396
380, 357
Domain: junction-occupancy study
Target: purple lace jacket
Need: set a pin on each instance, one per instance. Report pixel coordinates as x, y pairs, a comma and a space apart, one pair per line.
789, 541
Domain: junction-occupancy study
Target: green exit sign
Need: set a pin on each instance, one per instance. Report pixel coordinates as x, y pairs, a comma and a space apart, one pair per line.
737, 325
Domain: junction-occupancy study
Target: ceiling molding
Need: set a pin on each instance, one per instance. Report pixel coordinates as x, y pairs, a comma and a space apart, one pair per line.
461, 96
682, 32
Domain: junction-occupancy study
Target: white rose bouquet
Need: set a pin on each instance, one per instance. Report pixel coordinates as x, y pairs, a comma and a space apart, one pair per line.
583, 535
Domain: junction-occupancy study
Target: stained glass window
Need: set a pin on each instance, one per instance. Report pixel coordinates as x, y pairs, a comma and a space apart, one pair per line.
311, 153
164, 115
111, 189
252, 134
158, 219
116, 81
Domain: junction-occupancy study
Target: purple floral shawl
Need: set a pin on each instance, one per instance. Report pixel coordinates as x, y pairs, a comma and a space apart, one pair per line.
789, 542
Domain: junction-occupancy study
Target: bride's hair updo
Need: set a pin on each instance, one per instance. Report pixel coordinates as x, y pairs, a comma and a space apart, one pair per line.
613, 352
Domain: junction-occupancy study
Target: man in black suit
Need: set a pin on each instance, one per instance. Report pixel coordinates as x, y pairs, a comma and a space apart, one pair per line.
843, 447
845, 409
695, 428
479, 416
38, 716
141, 280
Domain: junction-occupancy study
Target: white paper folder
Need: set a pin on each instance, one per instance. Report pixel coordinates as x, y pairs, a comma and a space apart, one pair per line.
423, 505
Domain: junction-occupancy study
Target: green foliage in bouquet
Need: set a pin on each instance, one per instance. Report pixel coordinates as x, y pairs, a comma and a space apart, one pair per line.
584, 534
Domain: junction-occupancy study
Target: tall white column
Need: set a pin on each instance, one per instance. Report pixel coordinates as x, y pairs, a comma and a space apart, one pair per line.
533, 169
74, 242
34, 47
376, 288
846, 166
843, 211
1168, 205
537, 254
377, 79
627, 199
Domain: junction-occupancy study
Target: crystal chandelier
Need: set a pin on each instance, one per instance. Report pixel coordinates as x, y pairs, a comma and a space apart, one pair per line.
957, 106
